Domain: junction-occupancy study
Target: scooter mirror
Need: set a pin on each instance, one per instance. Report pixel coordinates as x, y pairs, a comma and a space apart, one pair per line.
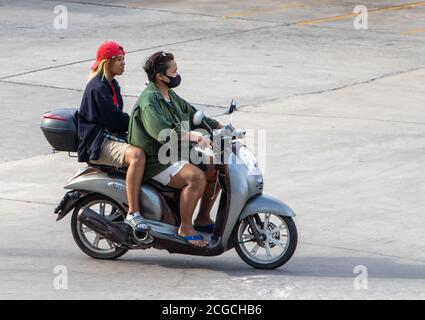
198, 117
232, 106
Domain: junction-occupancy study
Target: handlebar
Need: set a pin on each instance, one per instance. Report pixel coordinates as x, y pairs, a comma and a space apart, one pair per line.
240, 134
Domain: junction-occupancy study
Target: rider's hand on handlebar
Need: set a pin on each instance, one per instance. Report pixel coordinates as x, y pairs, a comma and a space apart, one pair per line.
204, 142
230, 130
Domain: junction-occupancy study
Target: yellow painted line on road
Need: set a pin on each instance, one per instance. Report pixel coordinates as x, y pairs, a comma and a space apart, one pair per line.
134, 5
256, 11
371, 11
413, 32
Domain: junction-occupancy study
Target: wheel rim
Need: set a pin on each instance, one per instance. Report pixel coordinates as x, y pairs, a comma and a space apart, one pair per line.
276, 236
91, 239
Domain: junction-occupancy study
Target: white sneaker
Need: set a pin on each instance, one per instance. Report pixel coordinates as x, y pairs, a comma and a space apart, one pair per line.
136, 221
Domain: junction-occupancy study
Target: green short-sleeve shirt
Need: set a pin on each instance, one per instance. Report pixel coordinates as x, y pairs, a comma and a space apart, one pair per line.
152, 117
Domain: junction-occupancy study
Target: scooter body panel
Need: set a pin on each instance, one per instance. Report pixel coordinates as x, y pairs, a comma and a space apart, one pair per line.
113, 186
242, 186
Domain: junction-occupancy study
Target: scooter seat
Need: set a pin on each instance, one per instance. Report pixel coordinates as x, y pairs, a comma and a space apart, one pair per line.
107, 168
157, 185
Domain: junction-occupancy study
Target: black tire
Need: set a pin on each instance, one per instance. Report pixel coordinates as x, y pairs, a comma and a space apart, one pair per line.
293, 240
75, 225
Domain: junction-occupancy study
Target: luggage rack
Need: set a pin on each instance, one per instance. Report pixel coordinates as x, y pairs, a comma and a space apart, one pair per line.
70, 153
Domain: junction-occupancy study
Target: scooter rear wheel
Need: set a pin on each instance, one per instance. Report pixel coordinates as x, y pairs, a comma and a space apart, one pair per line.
87, 240
279, 235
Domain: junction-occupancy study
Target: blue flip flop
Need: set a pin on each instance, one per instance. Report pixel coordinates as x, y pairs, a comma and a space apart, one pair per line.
209, 228
190, 238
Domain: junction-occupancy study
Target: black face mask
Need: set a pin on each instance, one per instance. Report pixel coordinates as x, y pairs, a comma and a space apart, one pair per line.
174, 81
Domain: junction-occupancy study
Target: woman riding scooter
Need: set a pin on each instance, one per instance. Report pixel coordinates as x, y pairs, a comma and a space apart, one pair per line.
160, 108
259, 226
102, 125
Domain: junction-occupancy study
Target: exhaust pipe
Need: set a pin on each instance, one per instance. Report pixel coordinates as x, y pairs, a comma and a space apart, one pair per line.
116, 232
141, 236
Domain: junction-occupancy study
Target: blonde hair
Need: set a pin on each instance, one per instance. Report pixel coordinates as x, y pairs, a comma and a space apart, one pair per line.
103, 68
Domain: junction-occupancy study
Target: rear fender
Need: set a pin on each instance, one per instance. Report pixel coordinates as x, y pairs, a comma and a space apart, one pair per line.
69, 202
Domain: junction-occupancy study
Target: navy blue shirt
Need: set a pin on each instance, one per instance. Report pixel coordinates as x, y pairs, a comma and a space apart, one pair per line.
99, 115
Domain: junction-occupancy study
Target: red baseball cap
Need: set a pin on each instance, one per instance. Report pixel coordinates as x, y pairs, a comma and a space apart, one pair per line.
107, 50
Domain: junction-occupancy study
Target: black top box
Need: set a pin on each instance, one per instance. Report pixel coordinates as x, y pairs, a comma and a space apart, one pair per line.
60, 129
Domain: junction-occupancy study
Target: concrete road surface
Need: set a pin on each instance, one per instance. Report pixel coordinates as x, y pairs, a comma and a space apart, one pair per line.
336, 114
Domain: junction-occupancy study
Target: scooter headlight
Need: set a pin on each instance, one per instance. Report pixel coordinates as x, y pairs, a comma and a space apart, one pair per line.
249, 160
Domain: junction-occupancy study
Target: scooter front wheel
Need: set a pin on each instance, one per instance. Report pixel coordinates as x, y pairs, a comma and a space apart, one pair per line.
278, 240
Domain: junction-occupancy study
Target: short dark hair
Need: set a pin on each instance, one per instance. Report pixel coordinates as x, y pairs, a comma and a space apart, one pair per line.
157, 63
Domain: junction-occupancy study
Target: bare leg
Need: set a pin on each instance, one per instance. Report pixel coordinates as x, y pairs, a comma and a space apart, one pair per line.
203, 218
191, 180
135, 160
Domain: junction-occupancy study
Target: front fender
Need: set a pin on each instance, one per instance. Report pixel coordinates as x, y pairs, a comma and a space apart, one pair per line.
265, 204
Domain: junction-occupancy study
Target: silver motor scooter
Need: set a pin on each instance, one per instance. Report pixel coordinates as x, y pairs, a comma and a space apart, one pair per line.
258, 226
